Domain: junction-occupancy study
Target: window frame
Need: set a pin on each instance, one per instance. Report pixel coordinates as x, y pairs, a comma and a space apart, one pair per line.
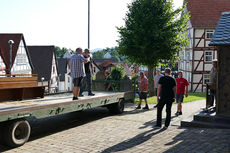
208, 56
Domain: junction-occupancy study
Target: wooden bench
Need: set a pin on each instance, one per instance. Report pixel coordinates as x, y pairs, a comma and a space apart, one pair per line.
19, 87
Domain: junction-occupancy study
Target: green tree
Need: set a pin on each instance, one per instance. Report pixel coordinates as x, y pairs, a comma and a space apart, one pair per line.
60, 51
117, 73
153, 32
99, 54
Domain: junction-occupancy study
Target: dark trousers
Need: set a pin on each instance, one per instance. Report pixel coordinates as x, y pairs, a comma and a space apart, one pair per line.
212, 96
160, 106
86, 80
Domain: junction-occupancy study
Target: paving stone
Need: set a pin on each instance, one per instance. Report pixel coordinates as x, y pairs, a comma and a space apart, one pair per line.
96, 131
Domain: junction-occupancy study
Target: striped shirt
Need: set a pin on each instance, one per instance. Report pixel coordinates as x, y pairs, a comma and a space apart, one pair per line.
77, 67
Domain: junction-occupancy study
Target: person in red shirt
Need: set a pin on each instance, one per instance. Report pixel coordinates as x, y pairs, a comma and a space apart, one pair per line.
143, 91
181, 90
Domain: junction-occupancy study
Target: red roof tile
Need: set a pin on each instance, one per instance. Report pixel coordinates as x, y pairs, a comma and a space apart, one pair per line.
206, 13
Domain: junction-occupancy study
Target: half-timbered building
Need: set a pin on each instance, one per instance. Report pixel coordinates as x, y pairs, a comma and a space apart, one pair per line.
196, 60
20, 57
45, 65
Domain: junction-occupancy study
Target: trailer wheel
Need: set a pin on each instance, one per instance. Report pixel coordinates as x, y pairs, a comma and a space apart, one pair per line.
17, 133
117, 108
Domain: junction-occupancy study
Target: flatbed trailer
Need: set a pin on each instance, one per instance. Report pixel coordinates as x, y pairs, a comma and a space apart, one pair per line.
15, 129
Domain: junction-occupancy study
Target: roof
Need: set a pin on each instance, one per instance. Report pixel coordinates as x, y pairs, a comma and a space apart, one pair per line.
62, 64
206, 13
102, 60
42, 57
5, 47
222, 33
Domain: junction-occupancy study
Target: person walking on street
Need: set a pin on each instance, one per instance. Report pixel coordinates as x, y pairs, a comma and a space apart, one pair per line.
165, 96
143, 91
181, 90
88, 78
156, 80
77, 71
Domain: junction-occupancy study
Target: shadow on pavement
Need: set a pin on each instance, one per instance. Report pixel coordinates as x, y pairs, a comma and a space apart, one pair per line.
152, 123
200, 140
50, 125
137, 140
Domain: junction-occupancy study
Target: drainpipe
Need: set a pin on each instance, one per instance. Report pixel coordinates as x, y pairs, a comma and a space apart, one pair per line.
11, 42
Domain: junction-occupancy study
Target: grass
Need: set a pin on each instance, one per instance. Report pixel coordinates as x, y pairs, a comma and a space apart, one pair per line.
191, 97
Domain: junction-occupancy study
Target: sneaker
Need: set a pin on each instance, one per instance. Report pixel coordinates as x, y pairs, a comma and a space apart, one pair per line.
138, 107
178, 113
155, 106
146, 107
81, 95
75, 98
91, 94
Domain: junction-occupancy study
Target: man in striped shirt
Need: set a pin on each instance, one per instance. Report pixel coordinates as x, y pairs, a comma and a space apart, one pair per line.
77, 70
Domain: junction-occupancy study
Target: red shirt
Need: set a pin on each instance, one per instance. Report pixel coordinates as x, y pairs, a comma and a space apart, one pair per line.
143, 84
180, 85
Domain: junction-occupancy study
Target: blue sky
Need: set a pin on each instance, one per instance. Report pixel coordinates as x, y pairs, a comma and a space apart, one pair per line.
64, 22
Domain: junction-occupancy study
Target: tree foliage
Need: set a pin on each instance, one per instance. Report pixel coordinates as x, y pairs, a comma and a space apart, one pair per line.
112, 51
117, 73
61, 51
153, 32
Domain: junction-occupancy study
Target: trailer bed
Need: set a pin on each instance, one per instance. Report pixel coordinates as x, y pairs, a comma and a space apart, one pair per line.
57, 104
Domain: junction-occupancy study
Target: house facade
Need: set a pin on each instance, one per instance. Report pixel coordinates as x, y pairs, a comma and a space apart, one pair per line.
21, 62
45, 65
196, 60
65, 80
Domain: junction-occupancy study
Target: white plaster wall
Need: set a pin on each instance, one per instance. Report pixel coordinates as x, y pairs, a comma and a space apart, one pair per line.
19, 67
201, 43
198, 55
208, 67
54, 76
199, 32
2, 66
200, 67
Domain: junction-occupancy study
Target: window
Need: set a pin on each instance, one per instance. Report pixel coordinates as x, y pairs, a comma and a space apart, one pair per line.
21, 59
209, 34
206, 78
208, 56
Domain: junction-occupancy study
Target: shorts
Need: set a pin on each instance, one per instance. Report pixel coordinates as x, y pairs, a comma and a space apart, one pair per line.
77, 82
143, 95
179, 97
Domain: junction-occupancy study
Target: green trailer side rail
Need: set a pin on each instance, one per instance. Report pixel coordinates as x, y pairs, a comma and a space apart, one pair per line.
48, 110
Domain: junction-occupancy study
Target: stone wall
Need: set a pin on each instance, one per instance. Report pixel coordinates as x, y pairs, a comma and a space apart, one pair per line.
223, 81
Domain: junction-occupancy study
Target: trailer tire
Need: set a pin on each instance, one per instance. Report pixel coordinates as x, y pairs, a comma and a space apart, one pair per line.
117, 108
17, 133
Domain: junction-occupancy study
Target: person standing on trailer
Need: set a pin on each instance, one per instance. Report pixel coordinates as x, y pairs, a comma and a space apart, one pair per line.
89, 72
77, 71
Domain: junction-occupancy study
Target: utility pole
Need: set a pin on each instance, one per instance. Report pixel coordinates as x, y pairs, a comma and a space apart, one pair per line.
88, 24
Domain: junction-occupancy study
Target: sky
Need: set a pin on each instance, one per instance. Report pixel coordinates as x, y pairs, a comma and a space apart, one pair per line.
64, 23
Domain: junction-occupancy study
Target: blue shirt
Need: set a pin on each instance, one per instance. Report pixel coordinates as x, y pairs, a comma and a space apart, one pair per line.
77, 66
157, 78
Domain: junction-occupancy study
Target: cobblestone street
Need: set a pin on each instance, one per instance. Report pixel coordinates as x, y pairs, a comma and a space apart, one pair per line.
97, 131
